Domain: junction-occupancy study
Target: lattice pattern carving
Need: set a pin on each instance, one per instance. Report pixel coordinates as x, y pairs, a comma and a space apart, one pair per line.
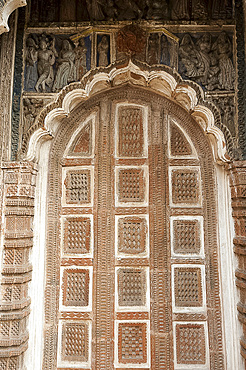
188, 287
83, 143
132, 343
12, 292
186, 237
132, 235
185, 186
190, 342
75, 287
131, 287
77, 235
131, 135
9, 363
78, 183
179, 145
75, 342
131, 185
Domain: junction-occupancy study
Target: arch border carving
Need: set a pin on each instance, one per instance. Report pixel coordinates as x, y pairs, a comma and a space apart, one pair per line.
187, 94
9, 7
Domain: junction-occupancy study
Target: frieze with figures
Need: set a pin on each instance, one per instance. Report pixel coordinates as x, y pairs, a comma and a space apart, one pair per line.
54, 61
117, 10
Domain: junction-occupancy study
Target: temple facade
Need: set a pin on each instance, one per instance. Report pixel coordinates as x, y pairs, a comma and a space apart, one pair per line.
122, 185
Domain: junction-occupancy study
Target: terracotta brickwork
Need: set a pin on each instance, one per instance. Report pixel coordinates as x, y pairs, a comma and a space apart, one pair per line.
132, 259
18, 205
238, 195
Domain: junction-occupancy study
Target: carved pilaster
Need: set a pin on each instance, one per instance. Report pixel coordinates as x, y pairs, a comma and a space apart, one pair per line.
238, 194
18, 211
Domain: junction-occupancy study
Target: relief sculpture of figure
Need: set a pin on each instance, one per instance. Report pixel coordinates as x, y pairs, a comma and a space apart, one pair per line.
153, 49
223, 51
180, 9
204, 48
66, 71
103, 48
95, 9
128, 9
80, 58
158, 9
46, 59
190, 57
31, 64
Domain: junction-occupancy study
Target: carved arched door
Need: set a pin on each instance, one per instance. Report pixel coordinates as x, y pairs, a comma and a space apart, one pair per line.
132, 276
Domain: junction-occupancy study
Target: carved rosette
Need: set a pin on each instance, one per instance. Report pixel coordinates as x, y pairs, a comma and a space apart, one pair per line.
18, 202
238, 195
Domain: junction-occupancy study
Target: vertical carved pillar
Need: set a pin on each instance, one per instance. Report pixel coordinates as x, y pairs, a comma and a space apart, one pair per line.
238, 194
18, 211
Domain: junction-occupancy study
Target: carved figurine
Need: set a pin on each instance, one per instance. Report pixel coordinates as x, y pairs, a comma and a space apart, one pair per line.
66, 71
222, 9
165, 54
31, 64
199, 9
128, 9
190, 57
103, 49
95, 9
204, 47
46, 59
158, 9
80, 58
223, 50
180, 9
153, 49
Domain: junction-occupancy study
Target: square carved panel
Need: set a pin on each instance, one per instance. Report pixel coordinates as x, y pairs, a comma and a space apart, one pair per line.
185, 187
131, 186
190, 343
78, 186
77, 234
132, 234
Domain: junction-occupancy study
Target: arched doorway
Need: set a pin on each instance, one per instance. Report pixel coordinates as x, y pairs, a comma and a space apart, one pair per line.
132, 277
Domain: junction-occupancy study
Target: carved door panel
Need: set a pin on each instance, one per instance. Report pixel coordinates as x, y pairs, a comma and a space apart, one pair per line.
135, 265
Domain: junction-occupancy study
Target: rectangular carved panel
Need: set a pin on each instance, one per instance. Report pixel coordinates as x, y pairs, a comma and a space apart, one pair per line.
132, 235
186, 236
190, 344
131, 287
185, 185
131, 185
132, 343
75, 342
78, 187
77, 235
75, 287
188, 287
131, 134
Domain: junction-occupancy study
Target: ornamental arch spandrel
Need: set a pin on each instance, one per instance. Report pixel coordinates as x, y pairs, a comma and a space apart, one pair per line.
131, 261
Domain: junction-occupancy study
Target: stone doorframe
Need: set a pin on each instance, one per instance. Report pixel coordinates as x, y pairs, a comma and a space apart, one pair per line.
35, 149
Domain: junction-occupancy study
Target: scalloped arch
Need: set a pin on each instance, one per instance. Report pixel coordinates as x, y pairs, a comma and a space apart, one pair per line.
8, 7
102, 80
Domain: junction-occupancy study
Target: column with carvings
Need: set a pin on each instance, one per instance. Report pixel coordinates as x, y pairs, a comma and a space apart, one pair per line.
238, 194
17, 239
